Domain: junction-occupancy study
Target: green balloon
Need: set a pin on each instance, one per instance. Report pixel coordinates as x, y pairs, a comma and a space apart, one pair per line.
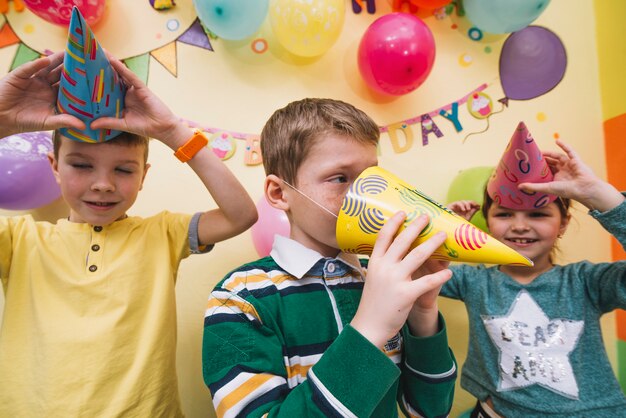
470, 184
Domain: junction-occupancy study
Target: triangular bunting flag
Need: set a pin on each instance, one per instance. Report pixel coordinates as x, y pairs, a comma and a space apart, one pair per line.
196, 36
23, 55
166, 56
140, 65
8, 36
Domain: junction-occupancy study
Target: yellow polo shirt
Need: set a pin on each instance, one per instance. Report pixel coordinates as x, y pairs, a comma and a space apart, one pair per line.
89, 326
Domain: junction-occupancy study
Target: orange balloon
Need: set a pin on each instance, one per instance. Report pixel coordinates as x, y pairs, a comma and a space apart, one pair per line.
430, 4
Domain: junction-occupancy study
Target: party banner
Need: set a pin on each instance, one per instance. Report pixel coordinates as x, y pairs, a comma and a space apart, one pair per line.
479, 105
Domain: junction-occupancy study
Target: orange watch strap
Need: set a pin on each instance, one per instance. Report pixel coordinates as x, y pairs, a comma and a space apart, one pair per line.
190, 148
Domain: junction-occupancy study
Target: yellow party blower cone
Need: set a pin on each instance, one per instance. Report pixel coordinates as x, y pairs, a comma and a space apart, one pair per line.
377, 194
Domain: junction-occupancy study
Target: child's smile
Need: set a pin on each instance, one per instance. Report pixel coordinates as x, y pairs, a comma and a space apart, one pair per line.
101, 205
522, 242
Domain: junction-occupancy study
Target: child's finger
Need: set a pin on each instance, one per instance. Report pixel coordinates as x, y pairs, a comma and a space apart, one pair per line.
552, 160
386, 234
54, 75
556, 158
430, 265
65, 120
117, 124
429, 282
56, 59
569, 151
553, 154
56, 62
556, 164
29, 69
129, 77
539, 187
418, 255
401, 244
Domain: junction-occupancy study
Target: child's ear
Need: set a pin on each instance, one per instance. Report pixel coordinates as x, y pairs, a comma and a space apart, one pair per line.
564, 224
145, 171
274, 192
54, 164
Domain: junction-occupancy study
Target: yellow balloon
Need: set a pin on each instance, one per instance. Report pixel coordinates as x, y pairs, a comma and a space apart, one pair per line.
307, 28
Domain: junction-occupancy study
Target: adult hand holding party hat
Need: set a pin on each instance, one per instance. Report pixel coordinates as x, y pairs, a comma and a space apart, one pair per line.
89, 87
377, 194
521, 162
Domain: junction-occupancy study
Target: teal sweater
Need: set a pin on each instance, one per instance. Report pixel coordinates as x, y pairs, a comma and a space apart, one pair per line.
537, 349
277, 342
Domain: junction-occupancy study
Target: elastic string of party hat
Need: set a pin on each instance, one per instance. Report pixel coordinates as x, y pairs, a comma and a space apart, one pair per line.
316, 203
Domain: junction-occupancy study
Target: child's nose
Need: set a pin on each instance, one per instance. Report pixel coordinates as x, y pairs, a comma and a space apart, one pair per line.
520, 224
103, 183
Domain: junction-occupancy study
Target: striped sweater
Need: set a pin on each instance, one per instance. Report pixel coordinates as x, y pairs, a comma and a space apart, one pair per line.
277, 342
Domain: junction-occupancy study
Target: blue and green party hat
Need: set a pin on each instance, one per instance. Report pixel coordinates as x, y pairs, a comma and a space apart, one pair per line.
89, 88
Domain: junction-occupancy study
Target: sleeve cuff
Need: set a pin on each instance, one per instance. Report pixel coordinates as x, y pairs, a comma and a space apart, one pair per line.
352, 358
615, 215
429, 355
194, 241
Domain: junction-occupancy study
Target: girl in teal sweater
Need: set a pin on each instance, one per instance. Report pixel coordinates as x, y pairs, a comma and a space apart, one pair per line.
535, 345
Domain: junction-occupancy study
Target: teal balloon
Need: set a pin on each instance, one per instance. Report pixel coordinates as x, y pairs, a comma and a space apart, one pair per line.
503, 16
232, 19
470, 184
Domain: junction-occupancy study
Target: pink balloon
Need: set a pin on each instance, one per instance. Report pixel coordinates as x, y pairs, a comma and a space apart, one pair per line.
59, 12
396, 54
271, 222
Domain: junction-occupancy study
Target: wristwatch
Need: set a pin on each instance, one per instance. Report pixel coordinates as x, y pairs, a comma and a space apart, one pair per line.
190, 148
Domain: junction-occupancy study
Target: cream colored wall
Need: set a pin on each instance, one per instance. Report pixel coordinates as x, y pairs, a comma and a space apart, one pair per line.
236, 89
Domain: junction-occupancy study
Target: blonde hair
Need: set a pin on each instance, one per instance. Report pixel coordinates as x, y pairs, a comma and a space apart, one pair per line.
290, 132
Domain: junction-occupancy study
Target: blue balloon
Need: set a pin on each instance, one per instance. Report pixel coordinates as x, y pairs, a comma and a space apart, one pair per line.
232, 19
499, 16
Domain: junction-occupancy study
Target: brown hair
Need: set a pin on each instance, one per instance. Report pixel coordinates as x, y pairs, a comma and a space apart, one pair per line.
126, 139
290, 132
562, 203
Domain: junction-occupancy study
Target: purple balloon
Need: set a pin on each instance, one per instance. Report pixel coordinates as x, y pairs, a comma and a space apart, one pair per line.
532, 63
26, 179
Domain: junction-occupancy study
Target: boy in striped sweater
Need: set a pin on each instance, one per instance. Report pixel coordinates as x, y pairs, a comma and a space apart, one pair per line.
310, 331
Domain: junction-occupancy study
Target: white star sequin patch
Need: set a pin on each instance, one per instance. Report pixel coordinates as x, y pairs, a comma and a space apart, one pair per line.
534, 348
